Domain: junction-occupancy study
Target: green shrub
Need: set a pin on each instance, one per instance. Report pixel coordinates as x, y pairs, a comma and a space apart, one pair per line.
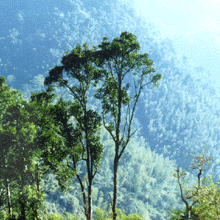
176, 214
54, 216
101, 215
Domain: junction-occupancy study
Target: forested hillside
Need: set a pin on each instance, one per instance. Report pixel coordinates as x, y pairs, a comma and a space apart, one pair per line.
174, 121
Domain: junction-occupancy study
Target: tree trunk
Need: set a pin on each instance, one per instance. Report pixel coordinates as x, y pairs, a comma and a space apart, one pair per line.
90, 199
115, 188
8, 197
22, 203
84, 195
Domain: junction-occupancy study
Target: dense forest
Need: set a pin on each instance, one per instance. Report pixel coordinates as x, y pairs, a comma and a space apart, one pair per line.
172, 122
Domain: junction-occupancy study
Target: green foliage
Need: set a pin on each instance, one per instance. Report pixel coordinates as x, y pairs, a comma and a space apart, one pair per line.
54, 216
120, 57
206, 203
54, 123
79, 142
58, 140
160, 55
20, 177
69, 216
208, 197
125, 48
101, 215
181, 215
175, 214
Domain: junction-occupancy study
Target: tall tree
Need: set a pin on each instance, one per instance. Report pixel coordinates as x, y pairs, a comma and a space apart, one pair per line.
17, 133
6, 100
79, 142
116, 59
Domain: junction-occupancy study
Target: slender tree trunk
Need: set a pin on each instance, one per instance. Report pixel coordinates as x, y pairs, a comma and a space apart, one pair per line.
6, 182
8, 197
22, 197
89, 164
89, 216
38, 180
22, 203
36, 212
115, 188
84, 195
90, 199
187, 212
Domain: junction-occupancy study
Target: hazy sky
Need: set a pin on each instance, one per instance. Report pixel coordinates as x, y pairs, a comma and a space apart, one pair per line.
193, 26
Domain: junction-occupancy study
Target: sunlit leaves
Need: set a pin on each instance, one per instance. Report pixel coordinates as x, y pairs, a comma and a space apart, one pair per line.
207, 196
192, 194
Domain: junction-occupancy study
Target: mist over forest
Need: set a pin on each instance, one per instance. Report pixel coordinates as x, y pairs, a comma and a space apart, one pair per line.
174, 121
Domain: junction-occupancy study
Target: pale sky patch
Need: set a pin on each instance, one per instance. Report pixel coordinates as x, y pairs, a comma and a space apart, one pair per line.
192, 25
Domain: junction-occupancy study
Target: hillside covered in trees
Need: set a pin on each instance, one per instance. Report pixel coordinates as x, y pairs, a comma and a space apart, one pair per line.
173, 121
